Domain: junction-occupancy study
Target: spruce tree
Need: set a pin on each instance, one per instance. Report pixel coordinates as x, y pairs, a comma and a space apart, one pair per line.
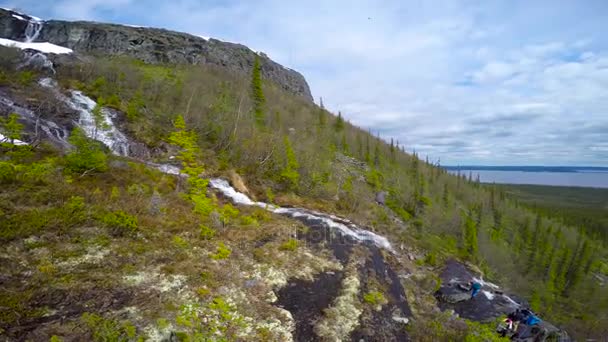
533, 246
257, 93
344, 145
289, 176
87, 156
470, 236
339, 125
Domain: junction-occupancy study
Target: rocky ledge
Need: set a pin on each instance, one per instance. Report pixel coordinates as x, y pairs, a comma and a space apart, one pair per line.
152, 45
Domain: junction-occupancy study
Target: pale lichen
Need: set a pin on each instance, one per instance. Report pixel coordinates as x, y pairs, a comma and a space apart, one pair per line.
342, 317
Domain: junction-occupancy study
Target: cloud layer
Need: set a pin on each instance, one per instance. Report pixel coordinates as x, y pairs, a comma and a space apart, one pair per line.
501, 82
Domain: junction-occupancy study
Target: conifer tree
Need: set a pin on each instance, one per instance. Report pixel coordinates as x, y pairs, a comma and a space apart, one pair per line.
289, 175
344, 145
87, 156
562, 269
368, 157
470, 236
377, 154
339, 125
189, 155
533, 245
360, 154
257, 93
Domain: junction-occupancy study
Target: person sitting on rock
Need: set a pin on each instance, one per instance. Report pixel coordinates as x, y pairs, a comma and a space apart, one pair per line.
475, 287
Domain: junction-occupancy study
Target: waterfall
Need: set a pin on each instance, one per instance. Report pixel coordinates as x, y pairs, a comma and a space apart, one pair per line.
52, 130
32, 31
37, 60
106, 132
343, 226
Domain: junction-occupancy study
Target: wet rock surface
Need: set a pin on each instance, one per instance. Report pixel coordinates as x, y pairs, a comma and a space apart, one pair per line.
306, 306
153, 45
489, 303
306, 301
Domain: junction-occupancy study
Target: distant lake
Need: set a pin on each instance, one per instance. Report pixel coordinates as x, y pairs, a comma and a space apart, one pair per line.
593, 179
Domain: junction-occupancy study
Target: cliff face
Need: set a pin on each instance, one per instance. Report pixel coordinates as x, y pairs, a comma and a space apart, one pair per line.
152, 45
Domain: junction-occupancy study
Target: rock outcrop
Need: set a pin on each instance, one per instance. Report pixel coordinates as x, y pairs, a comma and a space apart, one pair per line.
152, 45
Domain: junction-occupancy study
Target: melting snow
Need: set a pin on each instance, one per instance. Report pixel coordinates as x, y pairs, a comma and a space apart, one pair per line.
168, 169
15, 142
511, 300
53, 131
42, 47
488, 294
485, 283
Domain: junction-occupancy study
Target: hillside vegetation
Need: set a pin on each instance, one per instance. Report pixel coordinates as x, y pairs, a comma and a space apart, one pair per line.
137, 224
582, 207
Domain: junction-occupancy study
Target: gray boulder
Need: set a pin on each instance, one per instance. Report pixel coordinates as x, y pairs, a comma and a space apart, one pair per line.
381, 197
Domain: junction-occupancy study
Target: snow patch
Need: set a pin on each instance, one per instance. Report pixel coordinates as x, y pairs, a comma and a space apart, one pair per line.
42, 47
488, 294
510, 300
485, 283
15, 141
19, 17
168, 169
47, 82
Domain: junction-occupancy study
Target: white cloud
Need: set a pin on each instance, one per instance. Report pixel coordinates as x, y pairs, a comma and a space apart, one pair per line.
459, 81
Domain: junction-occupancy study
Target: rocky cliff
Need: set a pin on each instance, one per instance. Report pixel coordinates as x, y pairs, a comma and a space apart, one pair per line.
152, 45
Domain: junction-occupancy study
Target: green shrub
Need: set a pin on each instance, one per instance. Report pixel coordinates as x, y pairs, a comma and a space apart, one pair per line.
249, 220
120, 222
289, 245
206, 233
227, 213
8, 172
431, 259
374, 178
11, 128
74, 209
103, 330
37, 173
222, 252
113, 101
26, 77
179, 242
87, 156
374, 298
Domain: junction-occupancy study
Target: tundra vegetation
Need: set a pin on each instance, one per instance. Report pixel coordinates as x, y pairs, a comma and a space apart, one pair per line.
122, 245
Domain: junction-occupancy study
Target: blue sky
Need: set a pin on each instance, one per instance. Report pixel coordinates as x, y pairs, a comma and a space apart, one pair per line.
487, 82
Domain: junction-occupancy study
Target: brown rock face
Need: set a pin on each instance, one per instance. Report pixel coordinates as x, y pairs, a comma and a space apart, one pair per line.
153, 45
238, 183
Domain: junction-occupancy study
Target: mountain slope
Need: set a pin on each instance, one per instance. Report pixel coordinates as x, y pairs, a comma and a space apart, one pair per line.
99, 243
152, 45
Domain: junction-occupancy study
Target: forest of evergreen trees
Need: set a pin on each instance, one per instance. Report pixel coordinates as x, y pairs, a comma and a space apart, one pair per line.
286, 147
